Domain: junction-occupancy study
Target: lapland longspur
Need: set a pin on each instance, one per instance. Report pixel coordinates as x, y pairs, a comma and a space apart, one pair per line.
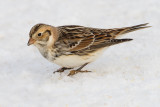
75, 46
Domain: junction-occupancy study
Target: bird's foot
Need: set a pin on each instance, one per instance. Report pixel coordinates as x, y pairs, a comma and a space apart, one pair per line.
60, 70
73, 72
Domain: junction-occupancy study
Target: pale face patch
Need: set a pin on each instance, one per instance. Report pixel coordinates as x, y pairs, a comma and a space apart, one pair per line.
51, 41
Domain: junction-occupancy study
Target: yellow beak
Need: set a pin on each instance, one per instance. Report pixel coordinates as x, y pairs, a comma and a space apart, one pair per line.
31, 41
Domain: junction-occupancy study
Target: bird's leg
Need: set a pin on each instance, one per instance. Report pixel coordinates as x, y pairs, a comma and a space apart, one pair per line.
72, 72
61, 69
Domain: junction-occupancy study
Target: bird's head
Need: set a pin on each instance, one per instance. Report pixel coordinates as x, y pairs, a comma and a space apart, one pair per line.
42, 34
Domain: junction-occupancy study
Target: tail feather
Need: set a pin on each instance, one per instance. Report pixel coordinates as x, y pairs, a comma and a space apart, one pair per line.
109, 43
133, 28
117, 41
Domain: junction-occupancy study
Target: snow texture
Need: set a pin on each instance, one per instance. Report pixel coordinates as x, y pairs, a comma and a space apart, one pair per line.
126, 75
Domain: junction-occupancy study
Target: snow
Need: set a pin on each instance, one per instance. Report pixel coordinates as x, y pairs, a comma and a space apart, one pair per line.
126, 75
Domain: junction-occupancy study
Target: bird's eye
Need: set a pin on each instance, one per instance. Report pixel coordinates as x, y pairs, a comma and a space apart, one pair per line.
39, 34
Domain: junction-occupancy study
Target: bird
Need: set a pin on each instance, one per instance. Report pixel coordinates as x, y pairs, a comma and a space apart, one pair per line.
73, 46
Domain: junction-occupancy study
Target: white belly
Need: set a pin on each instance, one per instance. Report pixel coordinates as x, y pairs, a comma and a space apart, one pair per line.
72, 61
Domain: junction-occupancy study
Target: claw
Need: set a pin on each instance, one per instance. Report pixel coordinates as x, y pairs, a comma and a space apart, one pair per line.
73, 72
60, 70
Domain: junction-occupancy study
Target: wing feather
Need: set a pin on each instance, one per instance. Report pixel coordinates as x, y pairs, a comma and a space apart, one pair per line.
79, 38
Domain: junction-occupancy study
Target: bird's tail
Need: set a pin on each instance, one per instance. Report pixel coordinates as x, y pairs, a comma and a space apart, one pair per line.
125, 30
119, 31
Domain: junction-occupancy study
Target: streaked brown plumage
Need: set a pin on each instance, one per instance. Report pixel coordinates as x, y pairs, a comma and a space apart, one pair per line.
72, 46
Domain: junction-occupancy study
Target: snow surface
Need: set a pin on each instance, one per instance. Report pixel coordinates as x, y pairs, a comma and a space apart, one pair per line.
126, 75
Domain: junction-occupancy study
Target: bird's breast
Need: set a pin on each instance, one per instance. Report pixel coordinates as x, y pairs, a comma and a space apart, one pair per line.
49, 54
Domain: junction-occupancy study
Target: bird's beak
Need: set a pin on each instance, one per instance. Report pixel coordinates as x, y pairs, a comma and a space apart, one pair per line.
31, 41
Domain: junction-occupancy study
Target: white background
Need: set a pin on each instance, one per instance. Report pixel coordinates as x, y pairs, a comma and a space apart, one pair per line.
126, 75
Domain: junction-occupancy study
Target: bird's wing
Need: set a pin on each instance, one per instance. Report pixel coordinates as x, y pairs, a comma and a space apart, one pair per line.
78, 38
